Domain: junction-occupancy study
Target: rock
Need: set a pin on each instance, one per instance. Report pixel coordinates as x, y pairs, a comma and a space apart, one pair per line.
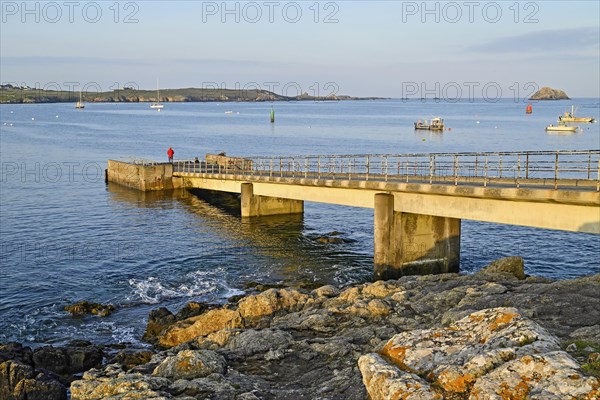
553, 375
78, 356
99, 385
511, 265
547, 93
253, 309
191, 309
128, 359
11, 373
385, 381
457, 331
158, 321
326, 291
191, 364
489, 354
42, 387
202, 325
251, 342
16, 351
84, 307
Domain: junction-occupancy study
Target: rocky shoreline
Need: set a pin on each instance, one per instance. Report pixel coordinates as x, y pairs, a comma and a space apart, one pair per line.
494, 334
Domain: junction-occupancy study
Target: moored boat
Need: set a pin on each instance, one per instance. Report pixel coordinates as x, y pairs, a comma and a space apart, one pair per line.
562, 128
156, 105
570, 117
436, 124
79, 105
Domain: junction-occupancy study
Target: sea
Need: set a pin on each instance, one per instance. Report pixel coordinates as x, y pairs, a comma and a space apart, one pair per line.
67, 236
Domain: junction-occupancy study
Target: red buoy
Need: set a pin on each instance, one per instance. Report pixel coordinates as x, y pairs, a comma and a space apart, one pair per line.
528, 109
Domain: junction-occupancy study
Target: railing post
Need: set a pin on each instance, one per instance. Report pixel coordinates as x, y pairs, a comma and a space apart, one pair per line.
455, 170
526, 165
500, 167
280, 167
306, 163
406, 166
589, 165
431, 169
556, 172
598, 180
319, 167
386, 168
271, 168
368, 167
332, 168
485, 172
476, 166
518, 170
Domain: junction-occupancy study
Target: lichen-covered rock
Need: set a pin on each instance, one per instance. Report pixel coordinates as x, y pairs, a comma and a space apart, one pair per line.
202, 325
191, 364
474, 356
113, 383
267, 304
306, 345
550, 376
386, 382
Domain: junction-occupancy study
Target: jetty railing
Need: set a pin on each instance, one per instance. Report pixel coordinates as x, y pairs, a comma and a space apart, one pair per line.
579, 168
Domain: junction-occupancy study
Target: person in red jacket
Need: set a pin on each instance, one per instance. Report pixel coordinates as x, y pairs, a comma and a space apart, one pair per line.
170, 153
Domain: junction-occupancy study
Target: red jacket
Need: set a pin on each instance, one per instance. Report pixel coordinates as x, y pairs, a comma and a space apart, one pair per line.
170, 152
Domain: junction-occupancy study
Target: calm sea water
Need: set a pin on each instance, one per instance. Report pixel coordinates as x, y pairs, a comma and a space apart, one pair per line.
66, 236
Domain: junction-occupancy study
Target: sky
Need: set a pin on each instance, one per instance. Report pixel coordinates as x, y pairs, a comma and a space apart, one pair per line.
446, 49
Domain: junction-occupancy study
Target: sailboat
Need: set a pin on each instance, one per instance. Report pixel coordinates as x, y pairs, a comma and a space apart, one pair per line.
156, 105
79, 104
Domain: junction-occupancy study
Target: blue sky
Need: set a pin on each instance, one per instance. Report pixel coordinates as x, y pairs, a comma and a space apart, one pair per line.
385, 48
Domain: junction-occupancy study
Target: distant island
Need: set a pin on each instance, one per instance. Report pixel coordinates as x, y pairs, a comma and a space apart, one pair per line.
547, 93
13, 95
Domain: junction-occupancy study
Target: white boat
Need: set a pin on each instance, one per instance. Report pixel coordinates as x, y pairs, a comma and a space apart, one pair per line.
436, 124
79, 105
157, 105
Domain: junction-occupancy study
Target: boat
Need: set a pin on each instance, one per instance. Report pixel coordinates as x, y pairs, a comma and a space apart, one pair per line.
156, 105
436, 124
570, 117
561, 128
79, 105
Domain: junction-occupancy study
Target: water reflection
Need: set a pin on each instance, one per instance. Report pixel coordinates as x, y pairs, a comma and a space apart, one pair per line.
273, 249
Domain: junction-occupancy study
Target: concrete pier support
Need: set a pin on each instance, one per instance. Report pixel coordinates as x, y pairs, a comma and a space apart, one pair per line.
257, 206
413, 244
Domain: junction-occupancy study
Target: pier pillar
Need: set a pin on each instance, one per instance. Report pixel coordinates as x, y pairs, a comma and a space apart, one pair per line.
257, 206
413, 244
141, 177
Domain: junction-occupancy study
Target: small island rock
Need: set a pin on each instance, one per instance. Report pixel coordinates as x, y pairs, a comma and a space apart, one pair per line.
547, 93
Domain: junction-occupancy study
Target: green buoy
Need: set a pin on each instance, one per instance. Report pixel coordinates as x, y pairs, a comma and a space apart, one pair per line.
272, 115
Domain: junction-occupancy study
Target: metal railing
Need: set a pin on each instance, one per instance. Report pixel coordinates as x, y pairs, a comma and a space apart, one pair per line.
553, 168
